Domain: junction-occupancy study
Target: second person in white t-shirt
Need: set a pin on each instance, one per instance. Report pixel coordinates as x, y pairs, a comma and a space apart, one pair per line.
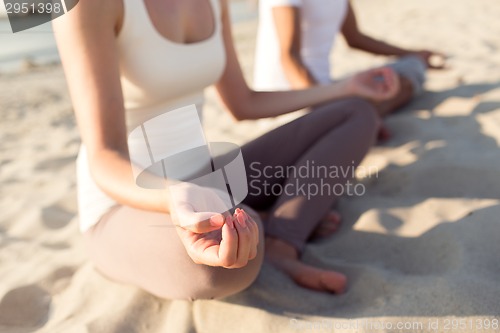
295, 38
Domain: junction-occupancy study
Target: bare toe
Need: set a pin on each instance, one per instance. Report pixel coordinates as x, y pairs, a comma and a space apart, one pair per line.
313, 278
286, 258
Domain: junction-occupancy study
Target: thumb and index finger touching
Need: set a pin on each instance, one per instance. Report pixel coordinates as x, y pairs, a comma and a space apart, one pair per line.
199, 222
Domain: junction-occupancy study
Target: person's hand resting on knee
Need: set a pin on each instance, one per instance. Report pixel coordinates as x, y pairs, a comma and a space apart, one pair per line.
377, 84
209, 233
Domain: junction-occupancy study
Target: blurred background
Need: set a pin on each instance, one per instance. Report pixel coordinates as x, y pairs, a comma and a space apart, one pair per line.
428, 223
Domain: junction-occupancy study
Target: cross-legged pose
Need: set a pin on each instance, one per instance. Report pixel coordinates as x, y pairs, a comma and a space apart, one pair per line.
128, 61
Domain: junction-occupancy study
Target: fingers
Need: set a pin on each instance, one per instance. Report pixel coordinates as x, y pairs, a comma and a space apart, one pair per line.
253, 229
245, 238
240, 238
253, 226
228, 249
201, 222
432, 59
385, 83
390, 77
437, 61
392, 82
198, 209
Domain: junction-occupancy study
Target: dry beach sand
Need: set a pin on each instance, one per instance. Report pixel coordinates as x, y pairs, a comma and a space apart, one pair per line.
420, 247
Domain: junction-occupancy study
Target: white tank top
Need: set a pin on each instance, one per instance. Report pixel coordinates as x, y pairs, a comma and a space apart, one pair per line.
320, 22
157, 76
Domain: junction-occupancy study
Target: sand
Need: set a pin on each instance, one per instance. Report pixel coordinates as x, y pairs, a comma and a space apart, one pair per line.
420, 247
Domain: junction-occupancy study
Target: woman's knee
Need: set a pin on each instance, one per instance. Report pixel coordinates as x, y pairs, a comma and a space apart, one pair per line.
207, 282
351, 108
218, 282
365, 110
365, 118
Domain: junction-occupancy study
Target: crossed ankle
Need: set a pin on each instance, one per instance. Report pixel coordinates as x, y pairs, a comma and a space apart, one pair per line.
278, 248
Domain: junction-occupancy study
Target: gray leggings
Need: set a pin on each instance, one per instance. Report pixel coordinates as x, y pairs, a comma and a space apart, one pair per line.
126, 246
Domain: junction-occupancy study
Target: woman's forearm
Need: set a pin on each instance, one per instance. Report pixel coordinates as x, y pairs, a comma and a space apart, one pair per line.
263, 104
113, 174
358, 40
372, 45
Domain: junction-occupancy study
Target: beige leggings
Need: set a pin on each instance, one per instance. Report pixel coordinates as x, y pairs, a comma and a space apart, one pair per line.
128, 246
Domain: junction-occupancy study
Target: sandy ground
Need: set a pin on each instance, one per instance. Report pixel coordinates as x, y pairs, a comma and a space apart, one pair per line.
420, 247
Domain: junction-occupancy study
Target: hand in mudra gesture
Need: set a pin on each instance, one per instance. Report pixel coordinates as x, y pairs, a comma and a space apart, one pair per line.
432, 59
377, 84
210, 237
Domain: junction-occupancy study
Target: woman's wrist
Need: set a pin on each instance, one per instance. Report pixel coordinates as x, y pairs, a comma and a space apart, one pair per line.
410, 52
344, 88
164, 201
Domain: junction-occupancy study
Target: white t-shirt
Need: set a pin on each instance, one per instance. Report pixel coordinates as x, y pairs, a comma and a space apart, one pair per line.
321, 21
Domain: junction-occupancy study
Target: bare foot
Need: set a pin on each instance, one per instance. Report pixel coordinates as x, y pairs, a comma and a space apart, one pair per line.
285, 258
327, 226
